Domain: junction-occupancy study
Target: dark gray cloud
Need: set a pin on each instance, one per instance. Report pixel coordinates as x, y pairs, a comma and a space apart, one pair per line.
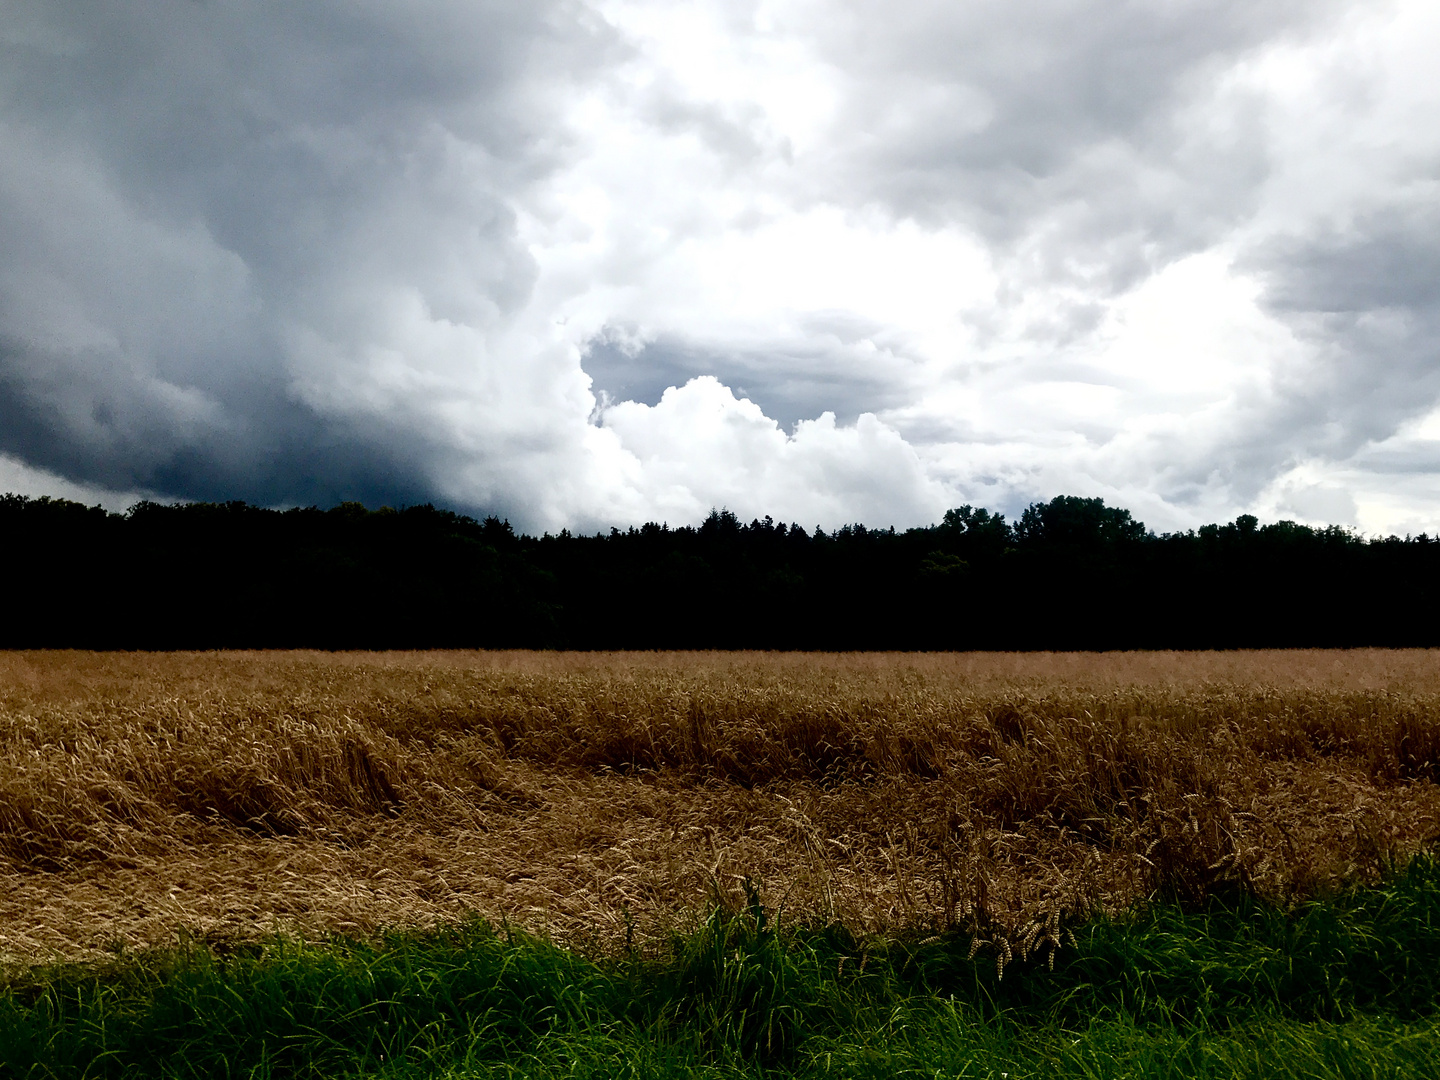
1367, 300
258, 444
1070, 119
1385, 261
197, 193
827, 374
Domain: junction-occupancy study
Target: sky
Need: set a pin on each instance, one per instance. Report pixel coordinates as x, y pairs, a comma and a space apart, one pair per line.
594, 264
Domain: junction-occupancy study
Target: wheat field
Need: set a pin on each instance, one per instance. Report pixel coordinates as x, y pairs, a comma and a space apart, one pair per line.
602, 798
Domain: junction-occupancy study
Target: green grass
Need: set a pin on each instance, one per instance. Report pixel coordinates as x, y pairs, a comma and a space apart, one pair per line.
1348, 986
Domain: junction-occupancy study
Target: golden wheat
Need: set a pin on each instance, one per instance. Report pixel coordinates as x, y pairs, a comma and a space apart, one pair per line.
229, 794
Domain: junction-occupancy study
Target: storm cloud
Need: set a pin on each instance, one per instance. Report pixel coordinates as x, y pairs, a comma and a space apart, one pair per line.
584, 264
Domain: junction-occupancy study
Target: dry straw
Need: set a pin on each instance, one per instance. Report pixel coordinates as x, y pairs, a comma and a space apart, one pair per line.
588, 795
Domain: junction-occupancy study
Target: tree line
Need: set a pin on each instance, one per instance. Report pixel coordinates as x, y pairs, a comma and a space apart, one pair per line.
1071, 573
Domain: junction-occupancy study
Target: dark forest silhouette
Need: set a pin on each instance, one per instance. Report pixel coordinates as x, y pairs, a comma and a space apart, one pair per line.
1071, 573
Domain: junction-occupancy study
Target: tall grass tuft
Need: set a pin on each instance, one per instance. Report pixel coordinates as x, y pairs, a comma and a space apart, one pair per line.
1346, 981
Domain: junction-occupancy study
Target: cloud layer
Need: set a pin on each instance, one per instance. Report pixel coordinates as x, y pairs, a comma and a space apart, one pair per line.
585, 264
